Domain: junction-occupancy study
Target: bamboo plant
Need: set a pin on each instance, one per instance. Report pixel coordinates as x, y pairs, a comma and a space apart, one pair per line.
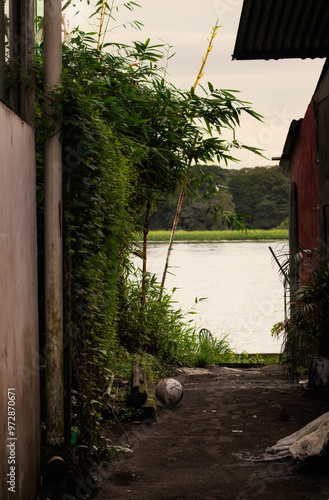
182, 191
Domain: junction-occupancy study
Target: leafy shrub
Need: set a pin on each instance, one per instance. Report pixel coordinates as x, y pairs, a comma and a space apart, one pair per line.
163, 330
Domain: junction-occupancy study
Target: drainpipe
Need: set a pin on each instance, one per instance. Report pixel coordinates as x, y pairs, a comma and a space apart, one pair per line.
53, 235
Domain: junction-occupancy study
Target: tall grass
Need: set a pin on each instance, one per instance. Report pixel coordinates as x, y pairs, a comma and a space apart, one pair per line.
162, 331
199, 236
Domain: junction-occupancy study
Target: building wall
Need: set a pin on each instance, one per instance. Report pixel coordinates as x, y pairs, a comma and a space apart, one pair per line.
321, 99
19, 359
304, 172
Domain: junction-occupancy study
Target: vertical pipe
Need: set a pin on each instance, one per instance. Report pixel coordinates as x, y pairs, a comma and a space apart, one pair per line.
67, 308
53, 235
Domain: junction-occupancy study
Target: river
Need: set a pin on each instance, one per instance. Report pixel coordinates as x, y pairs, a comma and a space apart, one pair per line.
243, 293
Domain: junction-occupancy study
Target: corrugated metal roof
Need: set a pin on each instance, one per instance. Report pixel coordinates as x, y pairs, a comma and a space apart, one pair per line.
277, 29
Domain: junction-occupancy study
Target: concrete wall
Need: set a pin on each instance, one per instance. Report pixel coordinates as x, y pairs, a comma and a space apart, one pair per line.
19, 370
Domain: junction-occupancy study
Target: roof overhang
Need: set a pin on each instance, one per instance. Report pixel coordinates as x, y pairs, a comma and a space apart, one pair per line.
280, 29
289, 147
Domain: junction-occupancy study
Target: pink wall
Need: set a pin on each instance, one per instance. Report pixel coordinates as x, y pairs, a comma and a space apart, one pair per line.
19, 368
304, 171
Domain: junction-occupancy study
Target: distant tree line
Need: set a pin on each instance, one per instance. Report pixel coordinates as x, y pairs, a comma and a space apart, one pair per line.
261, 194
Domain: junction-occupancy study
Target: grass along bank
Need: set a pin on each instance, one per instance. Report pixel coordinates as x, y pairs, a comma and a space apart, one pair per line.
200, 236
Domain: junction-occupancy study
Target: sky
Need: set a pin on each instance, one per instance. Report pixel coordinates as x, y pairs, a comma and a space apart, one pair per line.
278, 90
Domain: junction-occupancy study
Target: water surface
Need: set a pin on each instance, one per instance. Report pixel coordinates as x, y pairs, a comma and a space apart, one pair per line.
244, 294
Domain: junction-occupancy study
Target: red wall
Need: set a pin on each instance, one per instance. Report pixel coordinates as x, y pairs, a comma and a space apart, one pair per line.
304, 172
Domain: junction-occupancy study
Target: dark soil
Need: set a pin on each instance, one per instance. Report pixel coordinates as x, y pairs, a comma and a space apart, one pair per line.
204, 448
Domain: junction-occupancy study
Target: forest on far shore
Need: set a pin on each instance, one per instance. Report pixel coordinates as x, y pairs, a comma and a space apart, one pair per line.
261, 194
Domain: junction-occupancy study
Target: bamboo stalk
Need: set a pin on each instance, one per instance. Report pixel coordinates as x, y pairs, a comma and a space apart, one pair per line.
108, 20
204, 59
145, 233
101, 24
181, 196
170, 248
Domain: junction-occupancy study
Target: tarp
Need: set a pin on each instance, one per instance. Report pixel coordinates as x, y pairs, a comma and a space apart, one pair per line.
310, 441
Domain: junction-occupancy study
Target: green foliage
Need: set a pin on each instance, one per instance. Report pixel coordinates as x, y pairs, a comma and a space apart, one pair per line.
205, 194
210, 350
98, 224
162, 330
305, 332
284, 224
163, 129
262, 194
253, 359
128, 138
143, 327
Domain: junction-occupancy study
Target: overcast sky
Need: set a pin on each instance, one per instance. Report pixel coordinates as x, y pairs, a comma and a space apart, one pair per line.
278, 90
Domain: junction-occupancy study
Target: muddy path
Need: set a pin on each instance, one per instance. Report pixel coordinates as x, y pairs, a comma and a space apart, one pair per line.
205, 448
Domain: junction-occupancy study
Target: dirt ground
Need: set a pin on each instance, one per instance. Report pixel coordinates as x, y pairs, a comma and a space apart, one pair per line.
204, 448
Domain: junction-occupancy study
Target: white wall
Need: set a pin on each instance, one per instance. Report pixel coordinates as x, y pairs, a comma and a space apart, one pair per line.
19, 359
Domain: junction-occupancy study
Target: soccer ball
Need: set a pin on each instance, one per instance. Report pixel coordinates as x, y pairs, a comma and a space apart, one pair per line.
169, 391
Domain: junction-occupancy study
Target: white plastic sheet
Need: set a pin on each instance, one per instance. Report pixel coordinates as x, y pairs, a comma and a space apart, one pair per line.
310, 441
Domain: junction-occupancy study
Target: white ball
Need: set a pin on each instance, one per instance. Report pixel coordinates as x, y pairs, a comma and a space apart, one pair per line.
169, 391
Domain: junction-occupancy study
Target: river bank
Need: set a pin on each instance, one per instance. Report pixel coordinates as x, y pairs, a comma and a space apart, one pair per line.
230, 288
209, 236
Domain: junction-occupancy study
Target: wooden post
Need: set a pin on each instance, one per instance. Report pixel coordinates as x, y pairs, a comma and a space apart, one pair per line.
53, 235
67, 309
142, 392
138, 394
